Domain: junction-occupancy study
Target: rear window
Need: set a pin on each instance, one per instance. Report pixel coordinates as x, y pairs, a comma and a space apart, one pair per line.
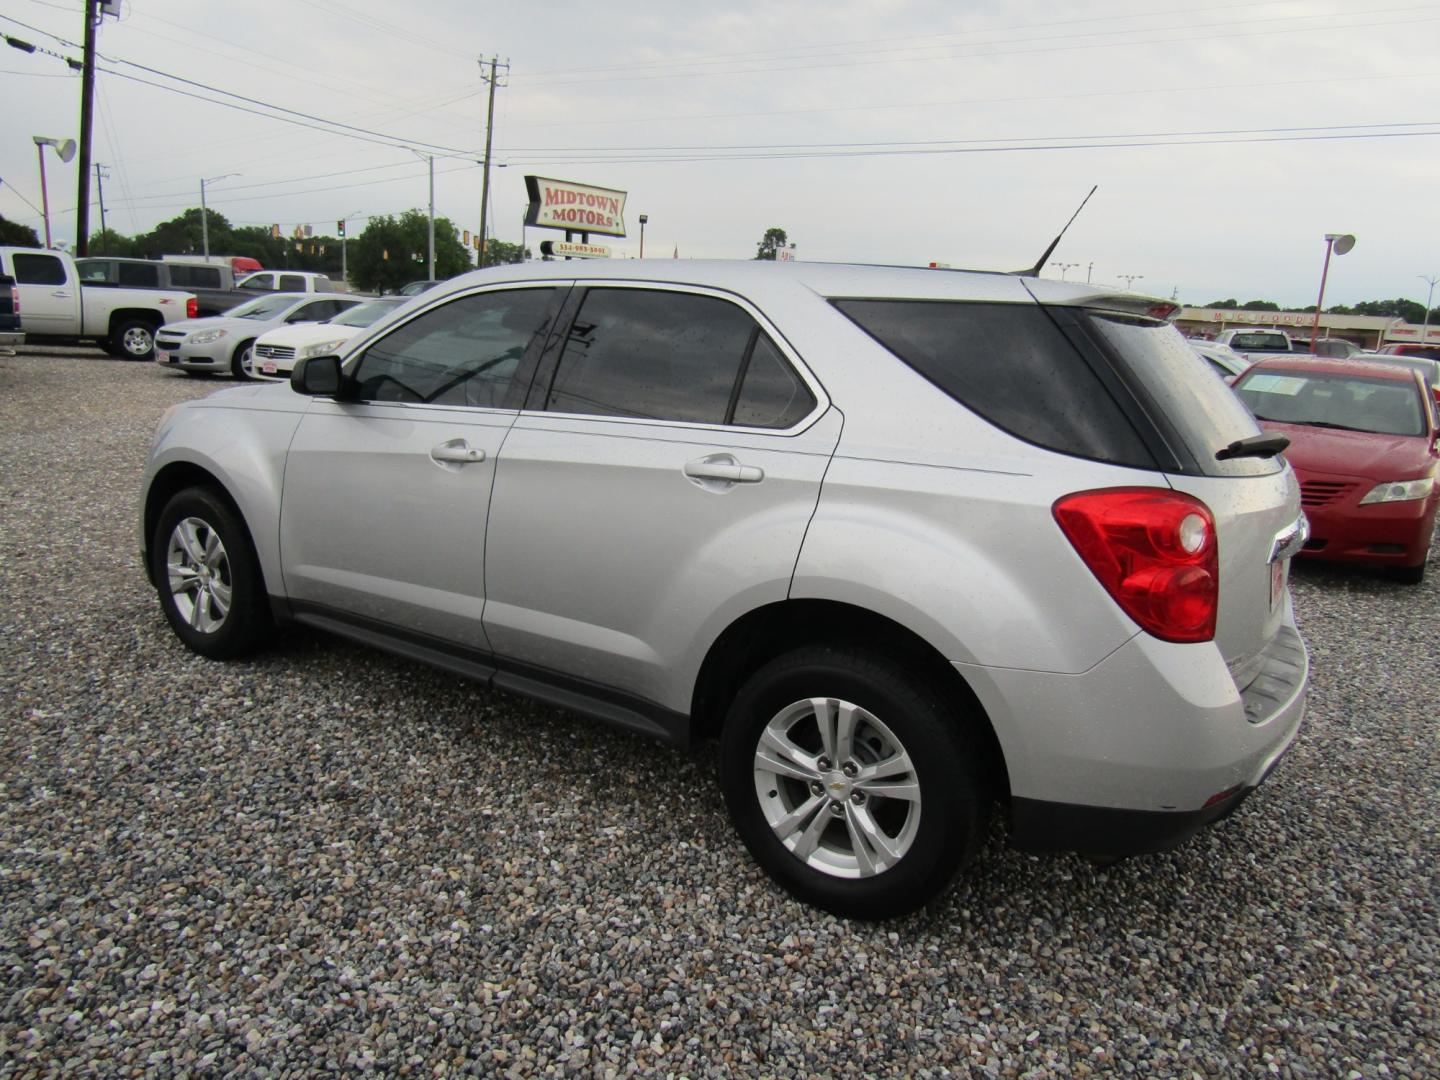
1012, 365
1261, 342
1200, 413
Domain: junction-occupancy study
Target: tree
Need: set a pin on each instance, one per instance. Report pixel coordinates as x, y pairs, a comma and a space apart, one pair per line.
1224, 305
1259, 305
771, 242
109, 242
182, 235
17, 235
498, 252
393, 251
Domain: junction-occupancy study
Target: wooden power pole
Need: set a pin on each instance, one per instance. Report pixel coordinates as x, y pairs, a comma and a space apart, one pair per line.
489, 128
87, 110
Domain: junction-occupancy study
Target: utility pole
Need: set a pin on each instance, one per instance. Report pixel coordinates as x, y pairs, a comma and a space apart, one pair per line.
1425, 328
489, 130
431, 275
87, 109
100, 187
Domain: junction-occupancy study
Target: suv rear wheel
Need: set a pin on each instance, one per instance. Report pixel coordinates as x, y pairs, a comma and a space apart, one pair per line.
852, 782
133, 339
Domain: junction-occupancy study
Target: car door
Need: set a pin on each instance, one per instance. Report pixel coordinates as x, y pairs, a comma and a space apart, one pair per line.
657, 485
49, 300
382, 521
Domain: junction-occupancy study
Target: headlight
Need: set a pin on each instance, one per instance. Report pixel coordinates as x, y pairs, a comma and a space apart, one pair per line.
1400, 491
205, 337
320, 348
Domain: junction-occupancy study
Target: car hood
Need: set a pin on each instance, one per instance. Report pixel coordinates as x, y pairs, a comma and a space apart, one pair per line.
1354, 453
217, 322
302, 334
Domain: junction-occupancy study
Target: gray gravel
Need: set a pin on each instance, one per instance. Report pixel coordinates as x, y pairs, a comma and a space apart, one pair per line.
328, 859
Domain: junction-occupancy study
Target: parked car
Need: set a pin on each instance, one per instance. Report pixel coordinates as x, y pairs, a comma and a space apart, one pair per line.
288, 281
1363, 443
907, 543
11, 332
223, 342
1223, 360
1335, 347
275, 352
1411, 348
212, 284
1253, 343
59, 311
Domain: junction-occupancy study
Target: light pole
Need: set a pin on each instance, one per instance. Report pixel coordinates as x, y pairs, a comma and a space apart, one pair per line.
1088, 271
344, 236
205, 214
1129, 278
1425, 327
1064, 267
643, 219
66, 149
1339, 243
430, 159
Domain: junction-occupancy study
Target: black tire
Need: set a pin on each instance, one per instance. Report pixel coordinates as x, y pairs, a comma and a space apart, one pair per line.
195, 613
1407, 575
238, 359
133, 339
110, 348
943, 749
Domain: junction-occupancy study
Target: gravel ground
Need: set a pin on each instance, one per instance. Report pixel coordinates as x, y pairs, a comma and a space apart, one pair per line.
329, 859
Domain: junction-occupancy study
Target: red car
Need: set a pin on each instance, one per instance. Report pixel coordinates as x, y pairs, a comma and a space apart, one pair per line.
1363, 446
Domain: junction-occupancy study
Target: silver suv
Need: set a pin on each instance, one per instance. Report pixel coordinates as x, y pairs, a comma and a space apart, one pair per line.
913, 545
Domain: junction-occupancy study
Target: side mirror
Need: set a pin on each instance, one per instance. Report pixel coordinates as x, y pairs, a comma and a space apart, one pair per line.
318, 376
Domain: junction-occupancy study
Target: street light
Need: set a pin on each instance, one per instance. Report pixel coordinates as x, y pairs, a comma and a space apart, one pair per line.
66, 149
1339, 243
1130, 278
1425, 327
643, 219
205, 215
1064, 267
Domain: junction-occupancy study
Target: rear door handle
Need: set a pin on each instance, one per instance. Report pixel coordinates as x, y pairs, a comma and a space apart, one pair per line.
724, 468
457, 452
61, 294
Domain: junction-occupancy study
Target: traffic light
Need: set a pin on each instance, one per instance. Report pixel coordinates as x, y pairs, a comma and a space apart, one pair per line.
340, 228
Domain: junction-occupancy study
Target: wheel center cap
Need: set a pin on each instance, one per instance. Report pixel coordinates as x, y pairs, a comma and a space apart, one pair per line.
837, 785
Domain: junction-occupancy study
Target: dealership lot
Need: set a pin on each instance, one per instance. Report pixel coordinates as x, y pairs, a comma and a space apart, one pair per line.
328, 857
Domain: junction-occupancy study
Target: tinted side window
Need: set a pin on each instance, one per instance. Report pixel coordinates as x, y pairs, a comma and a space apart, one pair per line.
194, 277
772, 395
263, 282
38, 269
139, 275
651, 354
1010, 364
314, 312
93, 271
292, 283
463, 353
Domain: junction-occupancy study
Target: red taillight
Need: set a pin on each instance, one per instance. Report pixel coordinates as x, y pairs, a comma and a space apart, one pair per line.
1154, 551
15, 299
192, 308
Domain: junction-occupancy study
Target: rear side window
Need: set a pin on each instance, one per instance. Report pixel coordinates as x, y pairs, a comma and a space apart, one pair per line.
139, 275
38, 270
195, 277
1013, 366
93, 271
665, 355
292, 283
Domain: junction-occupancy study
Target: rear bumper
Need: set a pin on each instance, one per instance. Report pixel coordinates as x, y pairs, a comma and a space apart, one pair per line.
1146, 748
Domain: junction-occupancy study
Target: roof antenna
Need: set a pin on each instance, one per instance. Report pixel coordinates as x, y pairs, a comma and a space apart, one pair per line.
1034, 271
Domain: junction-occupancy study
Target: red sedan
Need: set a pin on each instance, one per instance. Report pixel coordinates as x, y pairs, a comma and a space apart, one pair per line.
1363, 446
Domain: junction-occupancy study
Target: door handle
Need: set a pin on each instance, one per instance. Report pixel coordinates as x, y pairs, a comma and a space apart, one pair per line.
61, 294
725, 468
457, 452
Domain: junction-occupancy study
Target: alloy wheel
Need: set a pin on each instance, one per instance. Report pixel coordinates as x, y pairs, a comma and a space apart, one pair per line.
199, 578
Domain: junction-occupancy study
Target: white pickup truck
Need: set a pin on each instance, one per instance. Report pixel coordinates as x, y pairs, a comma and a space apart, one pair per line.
57, 310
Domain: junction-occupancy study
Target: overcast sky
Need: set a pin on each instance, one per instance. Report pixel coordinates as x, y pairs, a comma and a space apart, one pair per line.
875, 131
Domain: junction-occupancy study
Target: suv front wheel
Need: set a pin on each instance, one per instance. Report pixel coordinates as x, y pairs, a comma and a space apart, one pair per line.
852, 782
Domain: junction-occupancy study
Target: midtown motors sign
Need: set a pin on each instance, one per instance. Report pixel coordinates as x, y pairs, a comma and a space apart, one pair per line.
559, 204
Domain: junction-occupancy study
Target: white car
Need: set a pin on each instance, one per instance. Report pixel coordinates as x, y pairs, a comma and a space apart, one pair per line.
1224, 360
275, 353
223, 342
286, 281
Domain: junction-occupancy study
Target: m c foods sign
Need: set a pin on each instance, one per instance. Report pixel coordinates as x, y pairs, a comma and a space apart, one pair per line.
559, 204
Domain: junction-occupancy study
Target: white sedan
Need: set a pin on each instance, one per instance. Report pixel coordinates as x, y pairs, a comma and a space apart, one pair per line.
275, 353
223, 342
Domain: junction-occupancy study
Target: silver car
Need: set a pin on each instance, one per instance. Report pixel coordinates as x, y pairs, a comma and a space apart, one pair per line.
223, 342
915, 546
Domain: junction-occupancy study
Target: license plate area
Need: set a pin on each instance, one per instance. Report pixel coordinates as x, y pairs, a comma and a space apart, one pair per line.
268, 367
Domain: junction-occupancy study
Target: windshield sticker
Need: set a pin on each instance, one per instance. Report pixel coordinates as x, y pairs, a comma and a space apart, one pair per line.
1285, 385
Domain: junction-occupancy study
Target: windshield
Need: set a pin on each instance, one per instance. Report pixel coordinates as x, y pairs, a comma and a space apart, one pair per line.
365, 314
262, 307
1326, 399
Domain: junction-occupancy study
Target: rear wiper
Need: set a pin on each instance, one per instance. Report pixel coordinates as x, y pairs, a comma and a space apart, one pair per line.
1264, 445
